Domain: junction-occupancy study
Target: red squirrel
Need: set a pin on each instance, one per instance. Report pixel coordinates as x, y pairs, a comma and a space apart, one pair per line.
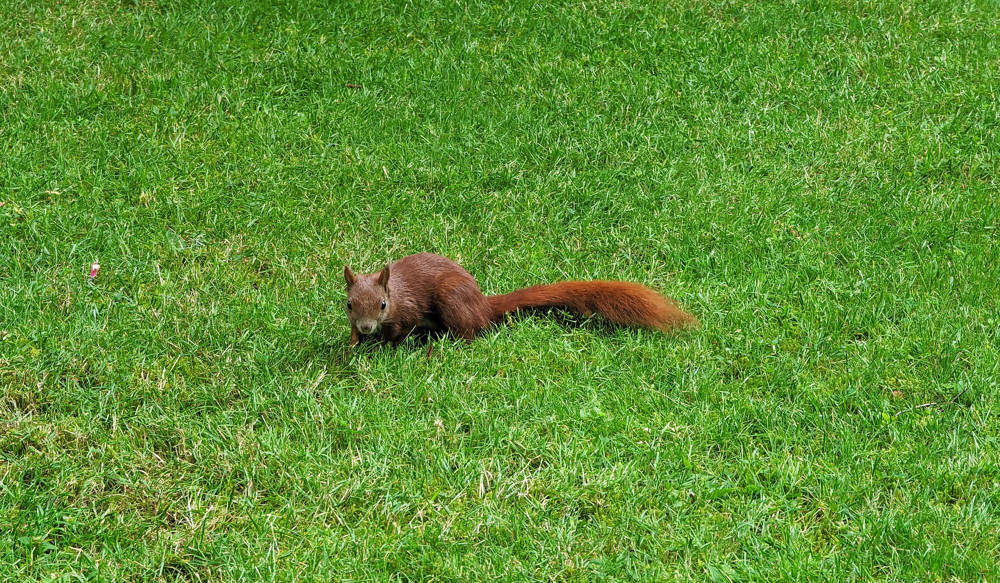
431, 292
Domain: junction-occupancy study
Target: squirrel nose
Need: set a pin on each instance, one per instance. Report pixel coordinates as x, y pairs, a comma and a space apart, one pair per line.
366, 328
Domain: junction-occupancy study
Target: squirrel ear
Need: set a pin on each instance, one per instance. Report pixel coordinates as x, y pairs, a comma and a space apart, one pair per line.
383, 278
349, 276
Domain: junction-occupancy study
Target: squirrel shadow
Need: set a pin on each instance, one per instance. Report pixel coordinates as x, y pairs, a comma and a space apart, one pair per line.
566, 319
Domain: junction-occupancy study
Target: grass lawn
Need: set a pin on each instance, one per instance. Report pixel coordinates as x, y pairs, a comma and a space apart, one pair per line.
815, 180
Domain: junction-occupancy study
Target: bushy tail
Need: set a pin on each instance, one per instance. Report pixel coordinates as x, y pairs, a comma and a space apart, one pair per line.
621, 302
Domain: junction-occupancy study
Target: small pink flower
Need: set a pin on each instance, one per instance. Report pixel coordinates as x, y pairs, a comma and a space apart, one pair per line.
93, 269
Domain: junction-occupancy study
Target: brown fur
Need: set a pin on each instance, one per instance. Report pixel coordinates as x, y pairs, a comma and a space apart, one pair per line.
430, 292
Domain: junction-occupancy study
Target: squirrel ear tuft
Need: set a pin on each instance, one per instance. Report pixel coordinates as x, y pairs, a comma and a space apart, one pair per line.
349, 276
383, 278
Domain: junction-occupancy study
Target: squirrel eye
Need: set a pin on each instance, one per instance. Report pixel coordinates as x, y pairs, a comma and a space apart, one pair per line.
348, 305
383, 304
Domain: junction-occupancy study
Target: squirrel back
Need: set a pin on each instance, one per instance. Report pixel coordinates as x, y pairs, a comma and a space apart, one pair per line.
431, 292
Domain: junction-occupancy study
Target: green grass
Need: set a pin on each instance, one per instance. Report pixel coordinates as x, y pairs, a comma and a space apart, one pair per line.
816, 180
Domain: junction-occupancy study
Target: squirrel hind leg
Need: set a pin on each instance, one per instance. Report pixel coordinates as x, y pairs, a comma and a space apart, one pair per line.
464, 322
463, 309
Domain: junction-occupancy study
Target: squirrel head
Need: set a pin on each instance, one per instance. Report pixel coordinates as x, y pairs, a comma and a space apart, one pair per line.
368, 303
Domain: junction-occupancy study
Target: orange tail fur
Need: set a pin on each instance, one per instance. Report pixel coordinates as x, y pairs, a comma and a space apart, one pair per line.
620, 302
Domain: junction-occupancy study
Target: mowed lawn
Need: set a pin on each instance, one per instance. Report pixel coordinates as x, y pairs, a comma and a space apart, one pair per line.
815, 180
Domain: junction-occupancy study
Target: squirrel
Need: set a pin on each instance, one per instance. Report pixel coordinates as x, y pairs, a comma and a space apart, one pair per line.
431, 292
